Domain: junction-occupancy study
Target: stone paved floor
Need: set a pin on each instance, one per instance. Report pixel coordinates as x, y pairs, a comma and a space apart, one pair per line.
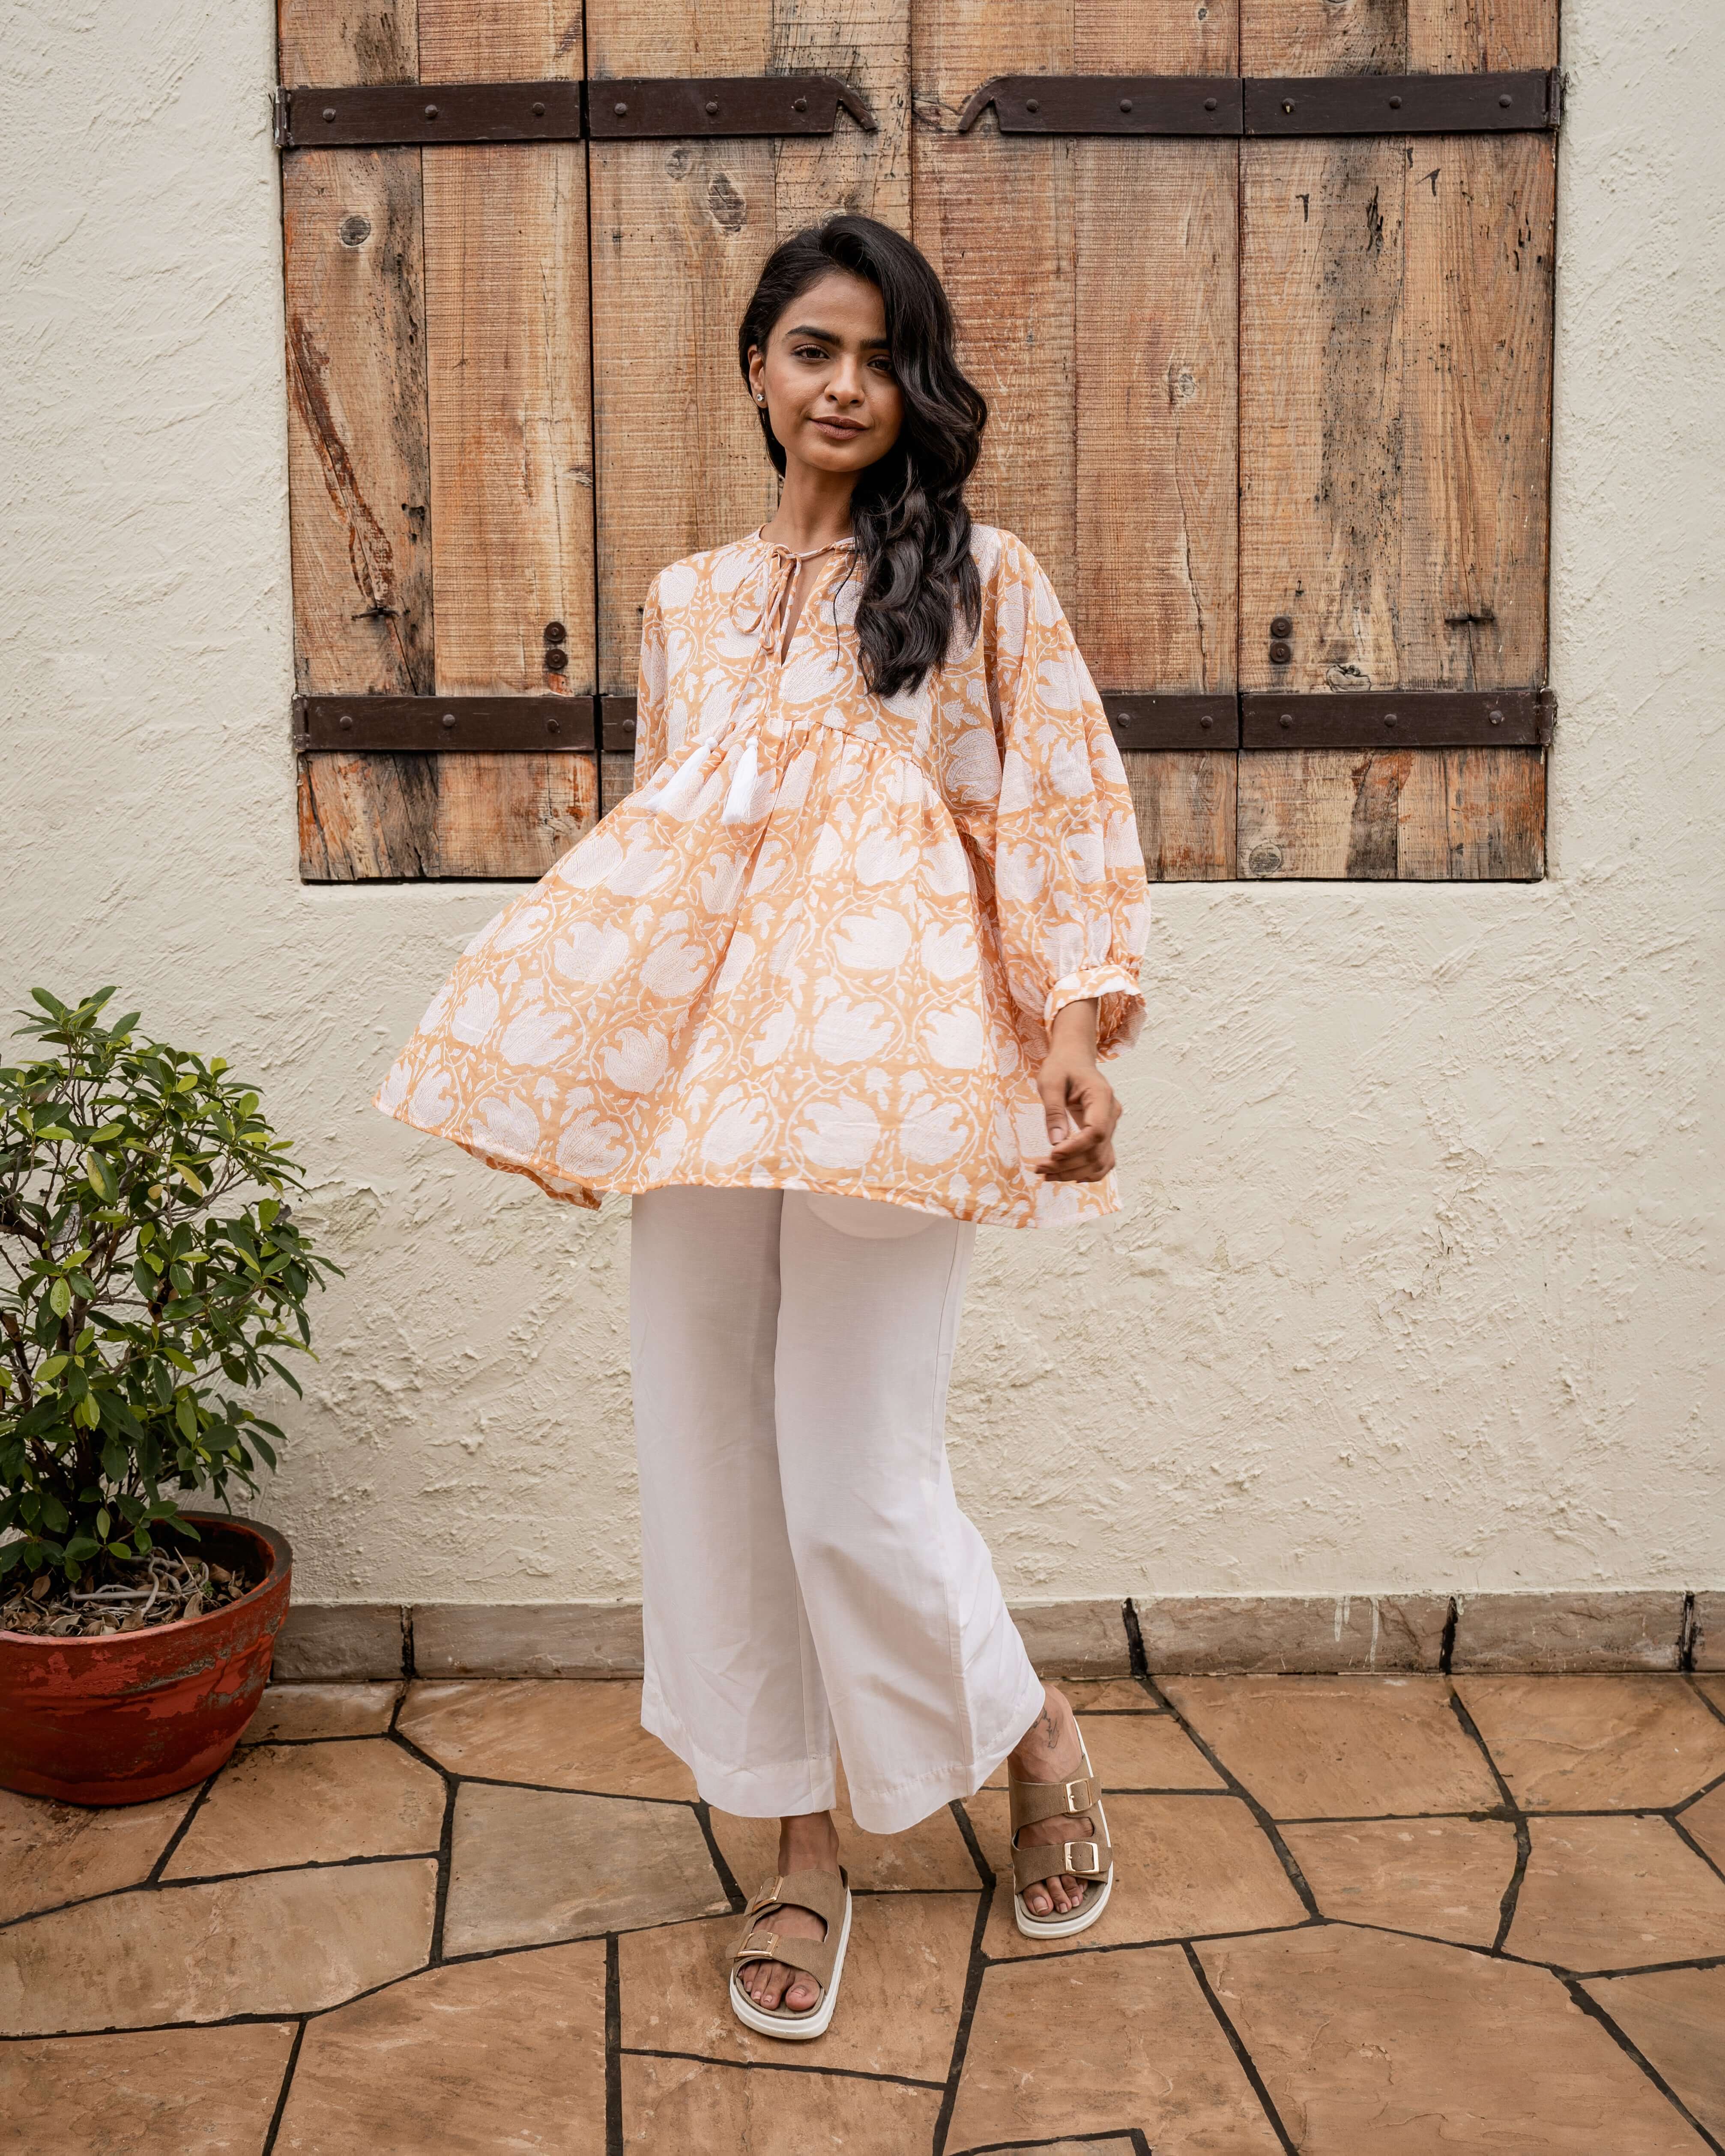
1352, 1914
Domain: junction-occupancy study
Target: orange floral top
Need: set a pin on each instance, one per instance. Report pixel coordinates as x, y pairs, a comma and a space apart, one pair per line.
820, 946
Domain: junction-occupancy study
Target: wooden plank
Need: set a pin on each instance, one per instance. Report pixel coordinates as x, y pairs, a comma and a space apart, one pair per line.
1153, 599
370, 41
616, 778
1479, 223
1409, 815
370, 819
1322, 423
1397, 37
508, 387
1473, 815
1186, 812
680, 231
1085, 274
359, 485
1321, 813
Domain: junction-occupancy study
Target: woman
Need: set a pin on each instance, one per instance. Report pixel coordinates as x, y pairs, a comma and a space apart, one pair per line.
826, 990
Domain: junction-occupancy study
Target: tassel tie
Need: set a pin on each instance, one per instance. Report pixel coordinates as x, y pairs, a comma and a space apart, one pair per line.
742, 804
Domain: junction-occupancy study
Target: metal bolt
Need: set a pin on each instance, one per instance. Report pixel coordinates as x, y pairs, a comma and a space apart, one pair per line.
539, 112
712, 106
431, 112
555, 632
329, 112
1282, 626
1122, 718
1210, 104
449, 721
1395, 105
799, 105
1504, 101
1287, 105
1285, 720
345, 722
1032, 105
1126, 105
1281, 654
354, 231
1206, 720
555, 659
553, 725
1390, 719
619, 109
1498, 718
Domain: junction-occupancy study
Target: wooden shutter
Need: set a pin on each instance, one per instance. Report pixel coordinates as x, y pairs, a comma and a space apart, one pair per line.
1395, 434
440, 451
1235, 382
1093, 280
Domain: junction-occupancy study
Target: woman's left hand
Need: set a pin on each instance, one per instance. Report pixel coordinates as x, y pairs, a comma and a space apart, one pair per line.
1077, 1101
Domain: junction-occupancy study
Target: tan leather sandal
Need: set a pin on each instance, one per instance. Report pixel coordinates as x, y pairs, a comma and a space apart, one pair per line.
823, 1959
1092, 1861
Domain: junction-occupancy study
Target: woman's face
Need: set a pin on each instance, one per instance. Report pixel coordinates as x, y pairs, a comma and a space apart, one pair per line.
827, 377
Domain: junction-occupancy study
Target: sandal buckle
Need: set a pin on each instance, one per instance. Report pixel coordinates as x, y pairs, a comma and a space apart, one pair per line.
1092, 1862
1077, 1798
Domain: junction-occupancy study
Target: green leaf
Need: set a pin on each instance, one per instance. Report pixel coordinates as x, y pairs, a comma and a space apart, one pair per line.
186, 1415
60, 1298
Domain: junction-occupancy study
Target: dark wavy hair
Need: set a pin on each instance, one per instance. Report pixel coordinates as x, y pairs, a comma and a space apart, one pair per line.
911, 526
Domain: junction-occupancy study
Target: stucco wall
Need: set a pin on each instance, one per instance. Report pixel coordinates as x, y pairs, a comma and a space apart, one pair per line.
1413, 1287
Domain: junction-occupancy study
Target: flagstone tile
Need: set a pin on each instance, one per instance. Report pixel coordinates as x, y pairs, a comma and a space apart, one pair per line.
1445, 1878
290, 1712
500, 2054
899, 2001
1675, 2019
278, 1943
1596, 1742
1109, 1696
277, 1804
674, 2104
1140, 1752
1705, 1818
1183, 1865
164, 2093
1615, 1893
1714, 1688
930, 1855
529, 1866
1087, 2044
1339, 1748
52, 1853
562, 1734
1374, 2046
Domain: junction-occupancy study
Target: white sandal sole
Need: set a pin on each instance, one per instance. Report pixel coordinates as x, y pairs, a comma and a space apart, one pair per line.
1064, 1927
794, 2028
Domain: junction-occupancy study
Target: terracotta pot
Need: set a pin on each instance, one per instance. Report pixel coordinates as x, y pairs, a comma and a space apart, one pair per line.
136, 1715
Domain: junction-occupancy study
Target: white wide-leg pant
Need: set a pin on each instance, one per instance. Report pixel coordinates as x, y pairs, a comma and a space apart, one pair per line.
806, 1571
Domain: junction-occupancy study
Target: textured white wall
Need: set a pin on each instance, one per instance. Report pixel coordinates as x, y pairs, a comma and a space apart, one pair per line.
1414, 1290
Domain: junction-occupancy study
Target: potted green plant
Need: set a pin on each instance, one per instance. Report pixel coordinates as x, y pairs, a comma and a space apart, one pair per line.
152, 1276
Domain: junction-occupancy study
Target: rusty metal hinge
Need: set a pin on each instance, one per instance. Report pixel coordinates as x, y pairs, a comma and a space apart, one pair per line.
635, 108
1182, 720
493, 726
1393, 718
1268, 104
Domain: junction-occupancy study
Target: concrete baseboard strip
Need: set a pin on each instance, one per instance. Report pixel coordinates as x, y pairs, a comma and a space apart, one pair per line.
1266, 1634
